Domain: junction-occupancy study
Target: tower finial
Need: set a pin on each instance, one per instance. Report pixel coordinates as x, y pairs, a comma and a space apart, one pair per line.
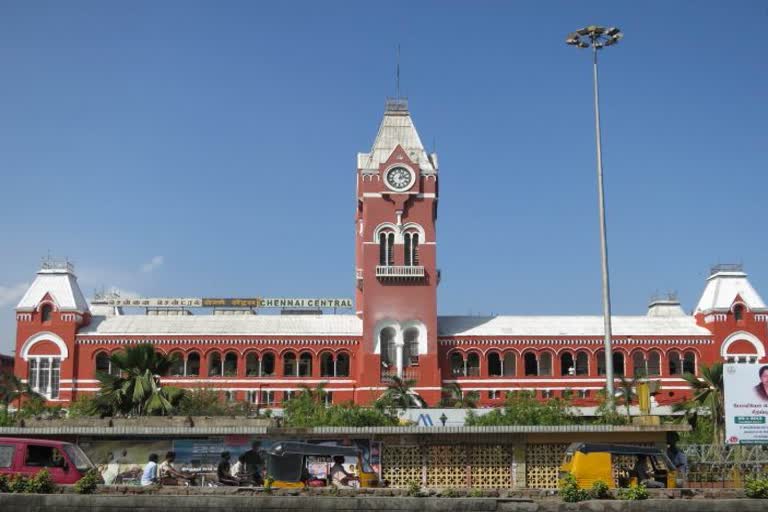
397, 80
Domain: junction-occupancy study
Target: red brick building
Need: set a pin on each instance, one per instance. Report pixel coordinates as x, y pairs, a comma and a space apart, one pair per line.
62, 340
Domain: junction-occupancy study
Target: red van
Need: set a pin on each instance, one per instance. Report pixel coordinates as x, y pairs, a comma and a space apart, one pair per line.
66, 462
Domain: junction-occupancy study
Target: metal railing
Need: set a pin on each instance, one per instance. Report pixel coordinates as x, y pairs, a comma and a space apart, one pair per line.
409, 373
724, 466
726, 267
409, 271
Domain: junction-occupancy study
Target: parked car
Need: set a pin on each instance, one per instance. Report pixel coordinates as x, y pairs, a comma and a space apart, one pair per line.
66, 462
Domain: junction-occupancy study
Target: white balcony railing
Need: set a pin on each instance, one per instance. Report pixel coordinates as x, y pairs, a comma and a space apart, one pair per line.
400, 271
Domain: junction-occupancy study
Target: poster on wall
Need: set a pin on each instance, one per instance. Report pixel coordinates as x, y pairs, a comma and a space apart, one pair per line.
746, 403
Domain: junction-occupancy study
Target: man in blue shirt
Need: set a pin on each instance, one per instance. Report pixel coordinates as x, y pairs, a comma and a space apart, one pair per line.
149, 476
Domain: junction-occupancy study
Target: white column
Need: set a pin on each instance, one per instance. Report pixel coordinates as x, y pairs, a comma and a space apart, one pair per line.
399, 345
50, 377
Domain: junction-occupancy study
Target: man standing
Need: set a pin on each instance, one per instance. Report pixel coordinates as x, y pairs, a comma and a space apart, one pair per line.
254, 463
224, 471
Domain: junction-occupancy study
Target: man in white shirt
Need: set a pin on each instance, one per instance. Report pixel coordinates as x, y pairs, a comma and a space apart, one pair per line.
339, 476
149, 476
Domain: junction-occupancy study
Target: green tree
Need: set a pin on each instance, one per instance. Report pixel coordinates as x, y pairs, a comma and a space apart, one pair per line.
708, 398
12, 389
523, 408
137, 388
308, 409
400, 395
606, 411
454, 396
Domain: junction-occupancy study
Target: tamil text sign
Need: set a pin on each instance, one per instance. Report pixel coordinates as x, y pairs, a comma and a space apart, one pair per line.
746, 403
248, 302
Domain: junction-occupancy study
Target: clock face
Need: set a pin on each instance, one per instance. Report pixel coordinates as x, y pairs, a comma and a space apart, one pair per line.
399, 178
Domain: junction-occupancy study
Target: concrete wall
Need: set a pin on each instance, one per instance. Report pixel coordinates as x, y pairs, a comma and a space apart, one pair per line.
135, 503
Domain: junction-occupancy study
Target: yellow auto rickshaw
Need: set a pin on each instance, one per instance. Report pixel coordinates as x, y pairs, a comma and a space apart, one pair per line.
613, 464
286, 463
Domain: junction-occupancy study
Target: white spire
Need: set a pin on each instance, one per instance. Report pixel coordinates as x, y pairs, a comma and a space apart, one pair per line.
725, 283
58, 280
397, 128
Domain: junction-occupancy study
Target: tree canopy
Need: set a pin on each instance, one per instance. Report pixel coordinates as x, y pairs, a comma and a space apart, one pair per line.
522, 408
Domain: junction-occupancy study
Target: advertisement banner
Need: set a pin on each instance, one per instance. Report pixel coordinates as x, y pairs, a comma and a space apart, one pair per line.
746, 403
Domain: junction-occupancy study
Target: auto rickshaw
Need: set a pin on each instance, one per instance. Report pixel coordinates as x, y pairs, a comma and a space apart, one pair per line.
590, 462
286, 463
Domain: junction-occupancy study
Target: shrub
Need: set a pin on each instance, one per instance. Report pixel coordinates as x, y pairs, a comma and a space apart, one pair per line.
89, 482
450, 493
600, 490
570, 491
41, 483
475, 493
17, 483
4, 483
413, 489
634, 493
756, 488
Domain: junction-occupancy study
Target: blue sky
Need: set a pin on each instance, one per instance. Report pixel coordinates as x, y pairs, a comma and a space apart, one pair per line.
208, 148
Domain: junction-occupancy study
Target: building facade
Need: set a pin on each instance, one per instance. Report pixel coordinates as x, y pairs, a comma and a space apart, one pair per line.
63, 340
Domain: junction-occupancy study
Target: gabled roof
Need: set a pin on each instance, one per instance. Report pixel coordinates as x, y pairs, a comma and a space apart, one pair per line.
397, 129
247, 325
61, 285
567, 326
723, 288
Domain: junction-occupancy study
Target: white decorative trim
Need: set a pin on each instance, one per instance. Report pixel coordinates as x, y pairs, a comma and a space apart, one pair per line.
574, 343
746, 336
387, 226
44, 336
380, 326
24, 317
100, 339
404, 326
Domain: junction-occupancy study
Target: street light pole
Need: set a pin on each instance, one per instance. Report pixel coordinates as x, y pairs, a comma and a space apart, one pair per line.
598, 38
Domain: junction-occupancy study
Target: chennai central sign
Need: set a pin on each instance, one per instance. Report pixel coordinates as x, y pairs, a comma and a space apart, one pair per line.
197, 302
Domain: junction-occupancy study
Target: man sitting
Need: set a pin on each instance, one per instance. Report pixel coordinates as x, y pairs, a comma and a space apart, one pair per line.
339, 476
169, 475
224, 471
644, 475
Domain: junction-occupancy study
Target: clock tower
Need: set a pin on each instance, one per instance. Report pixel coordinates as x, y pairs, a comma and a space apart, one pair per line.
395, 258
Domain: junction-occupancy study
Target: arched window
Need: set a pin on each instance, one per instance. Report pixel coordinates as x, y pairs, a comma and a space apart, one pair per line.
214, 365
689, 362
473, 365
326, 365
567, 366
457, 364
411, 247
618, 363
230, 364
177, 364
252, 365
638, 364
675, 365
494, 364
193, 364
342, 364
386, 248
103, 364
654, 363
582, 363
531, 364
305, 365
267, 364
45, 313
387, 348
290, 369
738, 312
545, 363
43, 375
510, 365
411, 348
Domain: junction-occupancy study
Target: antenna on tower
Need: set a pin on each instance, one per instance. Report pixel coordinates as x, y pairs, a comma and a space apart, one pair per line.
397, 81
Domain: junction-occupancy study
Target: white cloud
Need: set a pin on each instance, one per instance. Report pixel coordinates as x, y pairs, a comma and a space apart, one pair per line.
11, 294
152, 265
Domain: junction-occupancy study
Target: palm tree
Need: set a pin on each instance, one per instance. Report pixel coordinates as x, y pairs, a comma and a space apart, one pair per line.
707, 393
400, 395
626, 392
137, 388
13, 389
454, 396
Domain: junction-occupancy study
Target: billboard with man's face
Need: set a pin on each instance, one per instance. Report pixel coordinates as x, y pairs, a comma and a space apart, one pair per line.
746, 403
